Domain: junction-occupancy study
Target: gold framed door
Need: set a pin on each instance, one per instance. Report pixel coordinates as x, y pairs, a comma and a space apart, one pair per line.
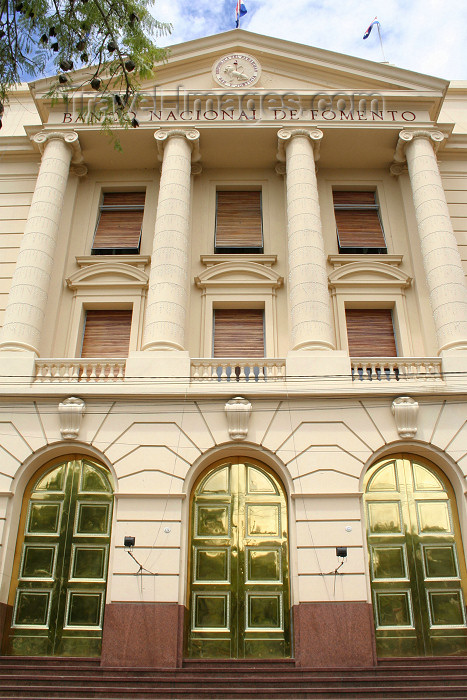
417, 565
238, 594
59, 578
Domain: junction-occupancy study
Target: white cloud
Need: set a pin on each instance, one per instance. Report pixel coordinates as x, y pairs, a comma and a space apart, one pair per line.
427, 36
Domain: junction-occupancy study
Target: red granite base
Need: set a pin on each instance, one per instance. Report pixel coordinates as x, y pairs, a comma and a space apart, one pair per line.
3, 622
143, 634
335, 635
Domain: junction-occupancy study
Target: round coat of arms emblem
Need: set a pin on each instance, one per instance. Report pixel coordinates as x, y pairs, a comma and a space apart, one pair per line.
236, 70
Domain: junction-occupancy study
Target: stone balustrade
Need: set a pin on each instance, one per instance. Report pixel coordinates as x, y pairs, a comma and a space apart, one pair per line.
397, 369
79, 370
237, 370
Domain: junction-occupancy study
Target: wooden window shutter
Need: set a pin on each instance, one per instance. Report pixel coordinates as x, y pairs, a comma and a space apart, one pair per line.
238, 333
106, 333
358, 223
238, 221
120, 221
370, 333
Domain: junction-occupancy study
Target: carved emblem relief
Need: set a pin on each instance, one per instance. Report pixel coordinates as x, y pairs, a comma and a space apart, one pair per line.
236, 70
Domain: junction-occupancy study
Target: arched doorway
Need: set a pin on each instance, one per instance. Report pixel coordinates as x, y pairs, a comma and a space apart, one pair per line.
417, 566
238, 590
57, 594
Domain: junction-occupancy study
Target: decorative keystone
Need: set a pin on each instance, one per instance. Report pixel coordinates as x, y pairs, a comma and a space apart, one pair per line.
405, 411
238, 411
70, 412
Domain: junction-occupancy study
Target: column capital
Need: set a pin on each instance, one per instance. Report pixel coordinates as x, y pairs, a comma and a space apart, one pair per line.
406, 136
284, 137
191, 135
70, 138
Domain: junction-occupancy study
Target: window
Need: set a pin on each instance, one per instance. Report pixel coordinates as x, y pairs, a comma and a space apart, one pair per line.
106, 333
370, 333
358, 223
238, 333
239, 226
118, 230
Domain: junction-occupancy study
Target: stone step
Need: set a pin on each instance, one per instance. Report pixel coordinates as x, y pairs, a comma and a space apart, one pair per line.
184, 680
405, 693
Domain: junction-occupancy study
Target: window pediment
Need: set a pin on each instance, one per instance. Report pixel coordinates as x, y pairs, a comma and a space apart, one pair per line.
239, 273
368, 273
108, 274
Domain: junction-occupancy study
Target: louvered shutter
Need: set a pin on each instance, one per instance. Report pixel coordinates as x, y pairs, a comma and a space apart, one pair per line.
358, 223
238, 221
120, 221
238, 333
106, 333
370, 333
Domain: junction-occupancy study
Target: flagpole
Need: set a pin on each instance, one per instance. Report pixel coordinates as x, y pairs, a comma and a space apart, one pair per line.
381, 42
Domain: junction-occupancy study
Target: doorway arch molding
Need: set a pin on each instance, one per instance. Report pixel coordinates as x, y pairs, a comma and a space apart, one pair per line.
245, 450
425, 450
25, 472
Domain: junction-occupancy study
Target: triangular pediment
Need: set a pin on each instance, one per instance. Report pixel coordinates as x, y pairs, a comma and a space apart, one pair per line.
284, 65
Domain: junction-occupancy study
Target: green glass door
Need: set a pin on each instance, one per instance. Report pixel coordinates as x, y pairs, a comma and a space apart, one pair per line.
417, 565
60, 572
238, 597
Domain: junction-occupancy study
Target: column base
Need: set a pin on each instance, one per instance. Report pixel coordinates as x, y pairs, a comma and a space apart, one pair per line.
334, 635
158, 364
318, 364
454, 367
20, 365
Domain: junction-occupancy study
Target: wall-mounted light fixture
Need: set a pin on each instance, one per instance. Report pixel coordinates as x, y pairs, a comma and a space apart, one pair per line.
129, 542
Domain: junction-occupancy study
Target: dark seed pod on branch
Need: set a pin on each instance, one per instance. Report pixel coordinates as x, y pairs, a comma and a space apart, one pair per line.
2, 109
62, 79
112, 46
95, 83
134, 122
52, 31
19, 6
118, 100
81, 45
84, 57
44, 39
133, 18
129, 65
66, 64
54, 46
2, 33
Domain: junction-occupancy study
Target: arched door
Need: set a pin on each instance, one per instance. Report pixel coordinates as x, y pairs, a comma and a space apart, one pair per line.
417, 565
238, 597
60, 570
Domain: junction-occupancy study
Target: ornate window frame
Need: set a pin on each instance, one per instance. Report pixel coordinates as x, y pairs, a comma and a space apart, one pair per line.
239, 281
104, 282
371, 281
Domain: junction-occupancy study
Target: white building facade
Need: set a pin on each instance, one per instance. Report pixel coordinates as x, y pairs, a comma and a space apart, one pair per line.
241, 341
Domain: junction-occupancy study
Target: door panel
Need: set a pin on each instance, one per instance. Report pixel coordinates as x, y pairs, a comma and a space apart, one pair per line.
238, 592
416, 560
60, 570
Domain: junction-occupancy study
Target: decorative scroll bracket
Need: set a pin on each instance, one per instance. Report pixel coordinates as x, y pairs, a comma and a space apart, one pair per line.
238, 411
71, 412
405, 411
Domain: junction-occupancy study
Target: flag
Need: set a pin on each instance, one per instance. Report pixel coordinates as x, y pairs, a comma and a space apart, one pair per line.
240, 11
368, 31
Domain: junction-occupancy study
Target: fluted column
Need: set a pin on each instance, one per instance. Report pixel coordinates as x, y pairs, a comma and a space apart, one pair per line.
310, 304
27, 300
441, 258
167, 305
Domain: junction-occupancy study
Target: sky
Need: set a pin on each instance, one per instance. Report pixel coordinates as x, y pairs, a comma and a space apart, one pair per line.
426, 36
